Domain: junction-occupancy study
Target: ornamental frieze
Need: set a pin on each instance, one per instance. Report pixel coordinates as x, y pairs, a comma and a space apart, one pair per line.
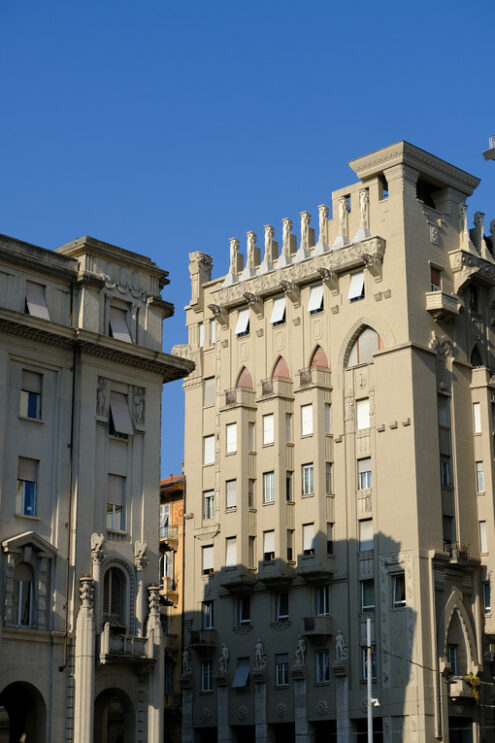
464, 265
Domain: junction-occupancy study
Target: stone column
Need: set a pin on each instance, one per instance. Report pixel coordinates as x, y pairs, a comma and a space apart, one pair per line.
224, 731
261, 726
302, 726
84, 657
140, 562
97, 555
187, 709
342, 701
155, 649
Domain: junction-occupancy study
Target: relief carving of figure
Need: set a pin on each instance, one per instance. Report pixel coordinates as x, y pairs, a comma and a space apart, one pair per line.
299, 655
340, 647
234, 251
140, 558
323, 222
259, 656
101, 391
269, 234
139, 403
97, 541
186, 663
305, 221
223, 660
463, 218
364, 200
343, 209
287, 229
251, 245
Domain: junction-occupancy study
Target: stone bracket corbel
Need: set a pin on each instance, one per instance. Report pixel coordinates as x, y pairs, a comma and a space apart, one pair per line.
219, 314
292, 291
374, 265
256, 303
330, 278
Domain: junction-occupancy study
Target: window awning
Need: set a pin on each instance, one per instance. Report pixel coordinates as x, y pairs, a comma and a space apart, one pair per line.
241, 673
31, 381
269, 541
278, 310
316, 298
364, 465
120, 414
115, 494
242, 325
26, 469
308, 536
118, 325
35, 300
208, 558
356, 285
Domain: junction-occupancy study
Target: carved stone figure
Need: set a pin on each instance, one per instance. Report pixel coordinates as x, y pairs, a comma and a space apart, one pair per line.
234, 251
223, 660
287, 229
269, 235
364, 200
97, 541
343, 210
305, 221
140, 559
139, 403
299, 655
259, 656
251, 245
323, 223
186, 663
101, 392
340, 647
86, 591
463, 218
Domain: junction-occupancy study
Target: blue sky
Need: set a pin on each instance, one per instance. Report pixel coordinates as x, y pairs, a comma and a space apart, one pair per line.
169, 127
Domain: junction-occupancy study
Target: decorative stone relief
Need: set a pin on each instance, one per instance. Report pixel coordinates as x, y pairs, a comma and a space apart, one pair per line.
139, 405
259, 656
205, 714
97, 541
242, 712
340, 647
101, 396
323, 224
140, 559
299, 655
223, 660
86, 591
282, 710
322, 707
445, 352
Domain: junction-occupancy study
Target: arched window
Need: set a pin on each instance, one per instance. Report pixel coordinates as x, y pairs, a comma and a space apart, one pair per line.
244, 380
456, 647
319, 359
475, 358
281, 370
114, 599
365, 345
24, 609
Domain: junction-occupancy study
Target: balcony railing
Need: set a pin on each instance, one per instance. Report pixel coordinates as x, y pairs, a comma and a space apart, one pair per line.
168, 532
458, 552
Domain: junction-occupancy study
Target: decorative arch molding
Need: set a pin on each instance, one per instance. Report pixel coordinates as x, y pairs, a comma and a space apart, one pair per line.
354, 331
280, 369
130, 575
23, 674
476, 357
319, 359
244, 379
454, 604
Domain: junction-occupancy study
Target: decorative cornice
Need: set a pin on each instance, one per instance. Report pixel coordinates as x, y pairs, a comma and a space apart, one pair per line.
465, 264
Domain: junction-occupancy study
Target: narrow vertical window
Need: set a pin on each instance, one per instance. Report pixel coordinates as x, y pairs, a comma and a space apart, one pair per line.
207, 675
208, 449
268, 487
213, 332
36, 300
328, 422
282, 669
208, 504
435, 280
308, 539
487, 604
282, 606
231, 552
201, 334
306, 420
209, 391
398, 590
288, 428
251, 443
367, 595
27, 486
328, 477
115, 503
322, 658
207, 560
329, 539
252, 552
231, 494
268, 429
251, 493
290, 545
307, 471
476, 417
208, 617
483, 537
480, 477
363, 414
268, 545
289, 477
30, 403
322, 602
231, 438
364, 473
366, 535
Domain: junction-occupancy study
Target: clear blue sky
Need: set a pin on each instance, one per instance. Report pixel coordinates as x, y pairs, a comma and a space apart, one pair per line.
169, 127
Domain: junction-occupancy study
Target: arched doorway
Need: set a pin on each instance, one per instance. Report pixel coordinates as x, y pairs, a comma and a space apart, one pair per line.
114, 718
22, 714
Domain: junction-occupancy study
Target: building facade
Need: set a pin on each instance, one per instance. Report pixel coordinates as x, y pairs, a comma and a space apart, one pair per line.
81, 372
172, 500
339, 460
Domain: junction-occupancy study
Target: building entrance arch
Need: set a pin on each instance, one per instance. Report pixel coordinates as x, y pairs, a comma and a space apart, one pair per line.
22, 714
114, 717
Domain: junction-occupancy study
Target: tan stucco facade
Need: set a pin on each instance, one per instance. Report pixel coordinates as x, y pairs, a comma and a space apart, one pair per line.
350, 468
81, 373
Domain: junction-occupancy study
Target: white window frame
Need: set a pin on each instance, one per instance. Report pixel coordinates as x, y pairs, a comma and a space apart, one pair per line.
364, 473
269, 487
208, 504
398, 579
282, 613
322, 608
322, 666
231, 552
477, 417
268, 429
231, 438
206, 676
307, 420
282, 669
308, 478
363, 414
207, 559
269, 545
230, 495
308, 536
208, 611
480, 477
209, 449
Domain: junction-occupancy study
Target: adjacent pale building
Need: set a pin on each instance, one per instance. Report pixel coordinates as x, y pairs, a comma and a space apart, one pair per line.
81, 373
339, 460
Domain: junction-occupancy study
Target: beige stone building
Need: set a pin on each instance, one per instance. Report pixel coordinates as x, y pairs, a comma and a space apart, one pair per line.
81, 373
339, 460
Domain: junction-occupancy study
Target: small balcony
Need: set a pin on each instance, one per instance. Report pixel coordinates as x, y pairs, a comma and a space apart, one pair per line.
458, 552
275, 573
315, 377
117, 648
441, 306
170, 588
238, 580
276, 386
239, 396
316, 628
459, 688
169, 535
204, 641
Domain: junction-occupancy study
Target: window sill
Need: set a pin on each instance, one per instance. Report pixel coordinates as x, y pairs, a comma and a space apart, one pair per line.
119, 532
481, 492
269, 503
232, 509
230, 453
307, 495
266, 446
306, 435
27, 516
322, 683
31, 420
208, 464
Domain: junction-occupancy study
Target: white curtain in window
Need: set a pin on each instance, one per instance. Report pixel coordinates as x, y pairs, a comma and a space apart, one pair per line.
477, 417
363, 413
306, 420
308, 536
268, 541
231, 551
208, 558
268, 426
231, 493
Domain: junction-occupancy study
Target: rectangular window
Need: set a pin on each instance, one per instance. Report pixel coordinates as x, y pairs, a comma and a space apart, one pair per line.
289, 476
120, 423
445, 471
30, 403
268, 545
268, 429
367, 595
207, 675
213, 332
231, 438
487, 605
208, 616
435, 279
201, 334
23, 598
169, 675
398, 590
118, 325
477, 417
251, 442
288, 428
453, 659
322, 659
356, 287
282, 669
363, 414
208, 449
364, 473
268, 487
290, 545
308, 482
328, 421
364, 663
27, 480
208, 504
36, 300
315, 303
251, 493
308, 539
230, 494
207, 560
278, 311
473, 298
115, 503
282, 606
322, 603
366, 535
252, 552
329, 539
209, 391
244, 610
230, 552
483, 537
328, 477
241, 676
242, 325
164, 520
480, 477
306, 420
444, 411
